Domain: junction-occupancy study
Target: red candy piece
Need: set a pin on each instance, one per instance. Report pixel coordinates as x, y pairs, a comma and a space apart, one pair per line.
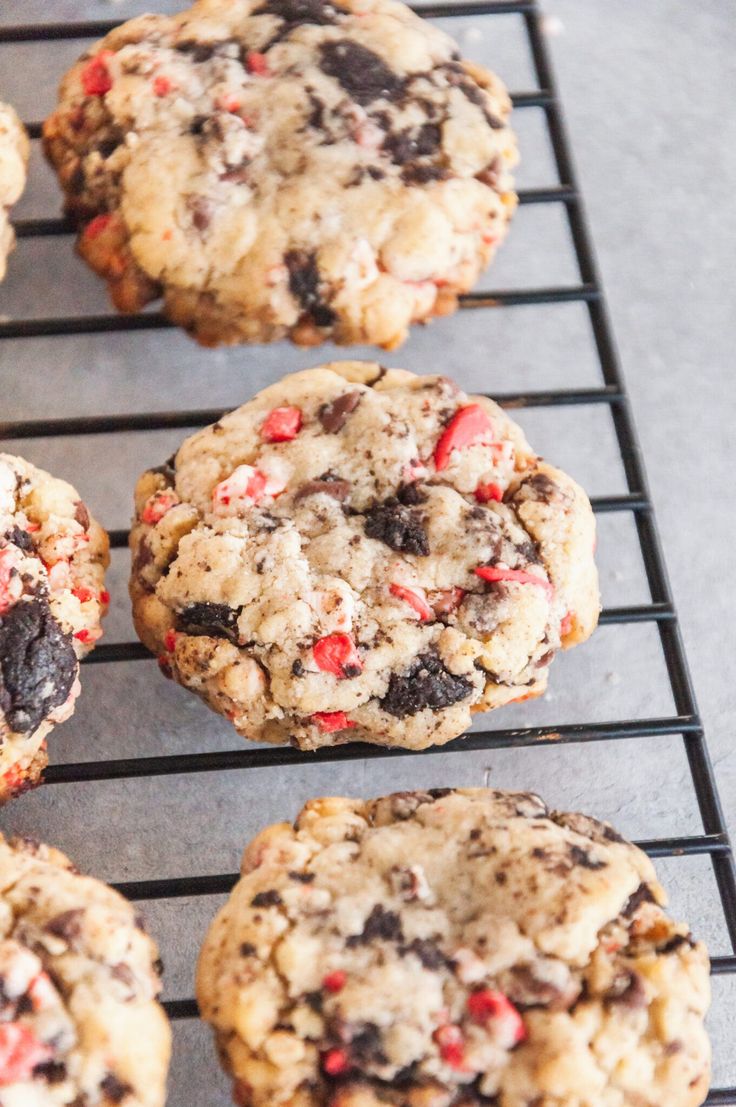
87, 636
83, 594
330, 721
415, 598
335, 1062
335, 981
282, 424
337, 654
566, 624
20, 1052
104, 597
162, 86
514, 576
469, 425
257, 63
170, 640
486, 492
96, 79
97, 225
157, 506
488, 1006
246, 484
451, 1045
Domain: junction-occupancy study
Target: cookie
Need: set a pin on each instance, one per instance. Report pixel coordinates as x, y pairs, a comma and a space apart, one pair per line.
463, 947
14, 151
272, 168
78, 984
53, 557
361, 554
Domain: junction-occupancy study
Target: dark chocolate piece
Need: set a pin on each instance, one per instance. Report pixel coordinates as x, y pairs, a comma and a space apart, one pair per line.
362, 73
398, 526
426, 683
214, 619
38, 664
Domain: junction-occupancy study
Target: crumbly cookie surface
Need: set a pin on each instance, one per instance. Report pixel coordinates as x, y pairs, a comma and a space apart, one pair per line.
271, 168
361, 554
79, 1021
53, 557
460, 947
14, 151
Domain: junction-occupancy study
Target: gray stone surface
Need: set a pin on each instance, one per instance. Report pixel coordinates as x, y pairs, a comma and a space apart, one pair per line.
647, 88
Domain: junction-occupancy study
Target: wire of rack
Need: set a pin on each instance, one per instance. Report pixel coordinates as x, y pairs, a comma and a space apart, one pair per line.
685, 722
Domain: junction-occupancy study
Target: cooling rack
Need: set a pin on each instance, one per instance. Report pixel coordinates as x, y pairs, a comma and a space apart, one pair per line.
683, 725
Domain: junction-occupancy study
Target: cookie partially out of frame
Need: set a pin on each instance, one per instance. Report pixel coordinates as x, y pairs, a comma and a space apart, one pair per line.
454, 947
14, 151
361, 554
317, 169
53, 557
79, 1021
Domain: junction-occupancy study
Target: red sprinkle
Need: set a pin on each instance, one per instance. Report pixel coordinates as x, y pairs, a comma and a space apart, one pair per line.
157, 506
335, 981
513, 576
104, 597
488, 1005
335, 1062
415, 598
83, 594
469, 425
329, 721
486, 492
170, 640
282, 424
566, 624
20, 1052
257, 63
97, 225
96, 79
162, 86
451, 1044
87, 636
337, 654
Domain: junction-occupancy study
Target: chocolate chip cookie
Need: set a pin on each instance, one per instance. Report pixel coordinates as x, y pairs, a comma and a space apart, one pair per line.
14, 151
53, 557
317, 169
453, 947
79, 1021
361, 554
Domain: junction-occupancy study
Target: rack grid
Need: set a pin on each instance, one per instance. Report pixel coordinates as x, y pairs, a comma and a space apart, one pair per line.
684, 722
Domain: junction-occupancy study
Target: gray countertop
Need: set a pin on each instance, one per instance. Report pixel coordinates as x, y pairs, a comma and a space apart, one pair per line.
647, 90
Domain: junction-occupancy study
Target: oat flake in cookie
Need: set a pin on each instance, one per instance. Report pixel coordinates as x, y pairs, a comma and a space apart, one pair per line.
79, 1021
454, 947
53, 557
361, 554
14, 151
271, 168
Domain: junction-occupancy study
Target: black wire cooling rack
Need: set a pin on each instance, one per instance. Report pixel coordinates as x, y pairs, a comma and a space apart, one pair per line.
685, 722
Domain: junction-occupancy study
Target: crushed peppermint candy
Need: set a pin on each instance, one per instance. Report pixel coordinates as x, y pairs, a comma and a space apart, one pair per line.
415, 597
495, 574
469, 426
330, 721
158, 505
282, 424
337, 654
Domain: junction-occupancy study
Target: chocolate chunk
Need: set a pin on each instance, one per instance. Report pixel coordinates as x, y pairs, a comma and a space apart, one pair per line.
81, 515
302, 878
271, 898
528, 990
37, 664
214, 619
20, 538
338, 489
361, 72
247, 949
143, 556
475, 95
612, 835
333, 416
491, 173
676, 943
53, 1072
411, 495
124, 974
201, 210
427, 952
304, 285
297, 668
426, 683
643, 894
198, 51
67, 925
542, 488
399, 527
380, 924
417, 173
114, 1089
366, 1045
410, 144
628, 989
294, 13
583, 858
